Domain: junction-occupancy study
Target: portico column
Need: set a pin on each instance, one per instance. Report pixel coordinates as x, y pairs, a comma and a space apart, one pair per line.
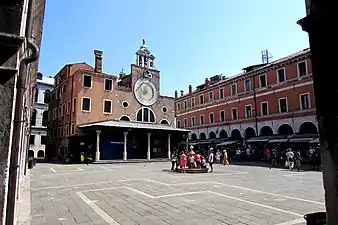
187, 142
97, 154
148, 150
169, 152
125, 134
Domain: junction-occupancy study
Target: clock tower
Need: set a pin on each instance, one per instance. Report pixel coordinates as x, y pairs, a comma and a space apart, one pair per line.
145, 77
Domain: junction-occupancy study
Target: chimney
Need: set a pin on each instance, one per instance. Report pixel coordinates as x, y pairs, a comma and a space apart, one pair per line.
176, 94
206, 80
190, 89
182, 93
98, 61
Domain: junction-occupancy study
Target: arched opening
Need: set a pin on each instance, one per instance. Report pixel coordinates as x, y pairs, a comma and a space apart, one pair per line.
36, 96
223, 134
212, 135
145, 115
33, 118
41, 154
45, 118
193, 137
47, 96
125, 118
165, 122
236, 134
203, 136
30, 153
285, 129
308, 128
266, 131
249, 133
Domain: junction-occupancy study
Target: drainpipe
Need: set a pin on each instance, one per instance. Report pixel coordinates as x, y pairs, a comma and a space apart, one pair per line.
14, 165
18, 121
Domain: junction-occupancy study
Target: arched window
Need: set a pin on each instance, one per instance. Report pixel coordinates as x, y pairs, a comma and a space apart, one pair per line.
125, 118
145, 115
47, 97
165, 122
36, 95
33, 118
45, 118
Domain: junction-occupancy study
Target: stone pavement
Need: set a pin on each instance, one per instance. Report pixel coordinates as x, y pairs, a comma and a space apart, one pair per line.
129, 194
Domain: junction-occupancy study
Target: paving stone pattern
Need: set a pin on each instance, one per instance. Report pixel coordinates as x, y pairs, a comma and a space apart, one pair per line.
129, 194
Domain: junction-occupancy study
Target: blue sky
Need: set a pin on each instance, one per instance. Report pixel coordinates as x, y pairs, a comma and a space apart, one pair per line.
191, 39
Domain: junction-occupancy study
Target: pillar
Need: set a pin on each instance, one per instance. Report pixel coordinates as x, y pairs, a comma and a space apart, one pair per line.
97, 153
169, 151
125, 134
187, 142
148, 149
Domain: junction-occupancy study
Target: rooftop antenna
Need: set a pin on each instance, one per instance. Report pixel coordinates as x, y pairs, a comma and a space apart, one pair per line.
266, 56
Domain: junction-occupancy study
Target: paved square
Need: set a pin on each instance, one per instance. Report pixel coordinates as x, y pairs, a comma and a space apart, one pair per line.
140, 193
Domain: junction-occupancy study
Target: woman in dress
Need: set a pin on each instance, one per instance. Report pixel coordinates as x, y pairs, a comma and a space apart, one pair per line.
183, 162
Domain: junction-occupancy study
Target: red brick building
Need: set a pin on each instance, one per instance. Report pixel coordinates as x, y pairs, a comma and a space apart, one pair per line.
263, 100
111, 117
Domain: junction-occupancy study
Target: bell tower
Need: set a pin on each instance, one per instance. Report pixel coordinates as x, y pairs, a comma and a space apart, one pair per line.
144, 58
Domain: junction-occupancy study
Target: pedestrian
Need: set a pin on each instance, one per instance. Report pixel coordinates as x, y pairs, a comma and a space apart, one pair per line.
183, 161
211, 159
173, 161
225, 157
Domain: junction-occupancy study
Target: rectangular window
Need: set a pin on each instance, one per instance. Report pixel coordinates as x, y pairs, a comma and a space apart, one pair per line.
185, 104
281, 75
32, 139
247, 85
193, 122
178, 106
305, 101
43, 139
221, 93
262, 81
201, 99
68, 107
185, 122
107, 106
234, 89
201, 119
73, 129
301, 68
234, 113
211, 117
222, 116
62, 131
248, 111
283, 105
264, 109
87, 81
86, 104
108, 84
67, 130
211, 96
74, 104
64, 110
178, 124
193, 102
64, 89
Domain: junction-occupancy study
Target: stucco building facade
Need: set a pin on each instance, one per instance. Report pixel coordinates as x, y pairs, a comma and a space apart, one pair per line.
39, 120
263, 100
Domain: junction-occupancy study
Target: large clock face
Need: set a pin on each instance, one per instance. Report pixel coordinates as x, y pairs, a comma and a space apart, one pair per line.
145, 92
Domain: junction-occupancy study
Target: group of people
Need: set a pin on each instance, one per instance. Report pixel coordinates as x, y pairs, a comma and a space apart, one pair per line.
195, 160
292, 158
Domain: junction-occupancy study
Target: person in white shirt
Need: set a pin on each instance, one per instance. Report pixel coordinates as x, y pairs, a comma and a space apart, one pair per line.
211, 159
290, 158
218, 156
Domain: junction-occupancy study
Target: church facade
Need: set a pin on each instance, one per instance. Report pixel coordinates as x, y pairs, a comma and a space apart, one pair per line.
112, 117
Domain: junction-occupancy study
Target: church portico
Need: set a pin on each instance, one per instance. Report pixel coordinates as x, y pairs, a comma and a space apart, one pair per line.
116, 140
